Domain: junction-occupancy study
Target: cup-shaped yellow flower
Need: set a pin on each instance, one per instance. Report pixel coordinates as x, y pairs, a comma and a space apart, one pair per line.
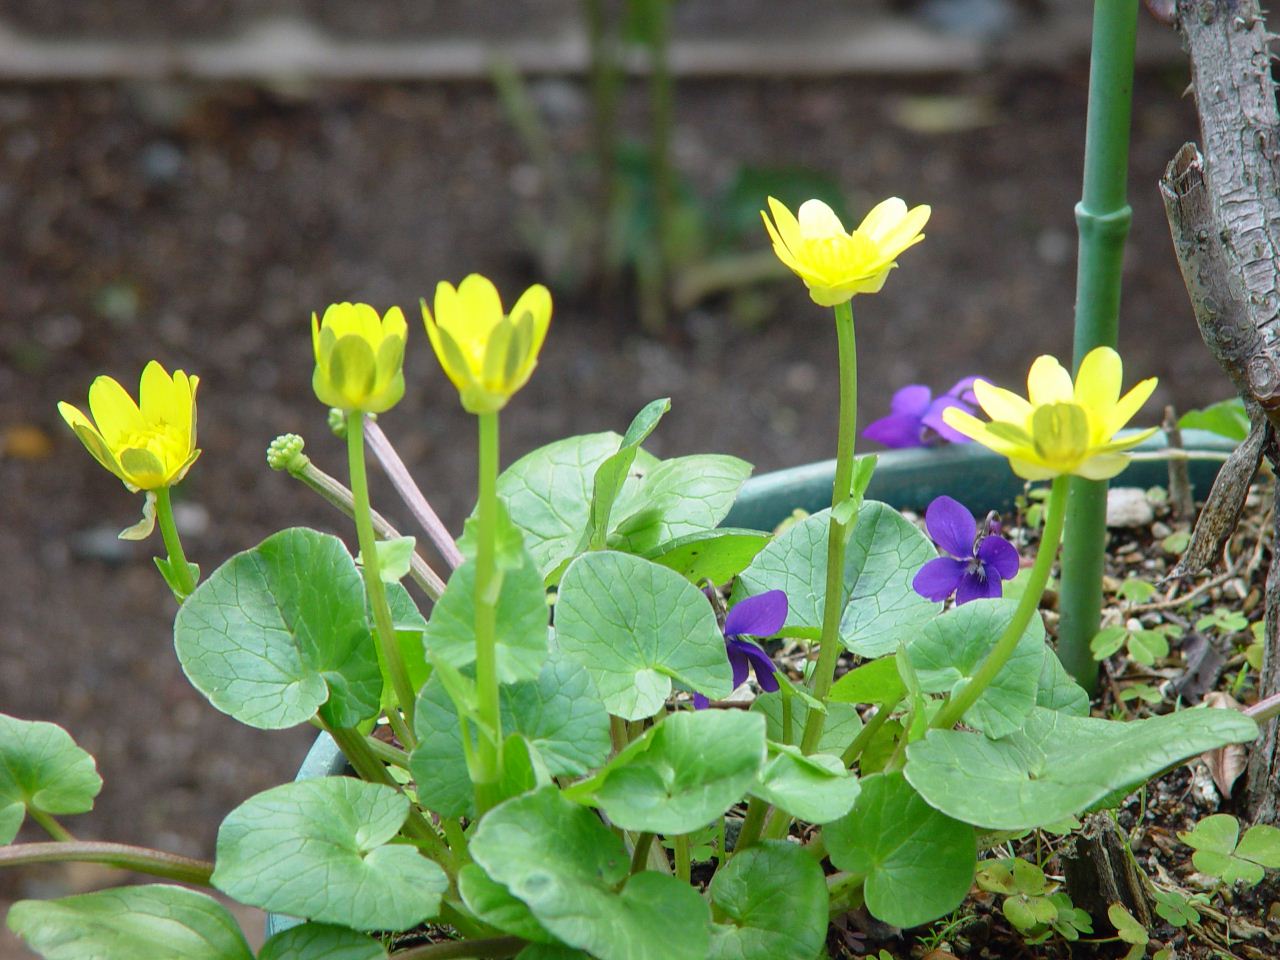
1060, 427
834, 263
359, 357
488, 354
149, 444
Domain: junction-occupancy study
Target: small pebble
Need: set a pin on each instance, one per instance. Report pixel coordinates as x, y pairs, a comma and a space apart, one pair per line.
1128, 507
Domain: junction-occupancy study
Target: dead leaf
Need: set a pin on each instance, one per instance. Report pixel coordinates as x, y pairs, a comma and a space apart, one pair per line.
25, 441
1226, 763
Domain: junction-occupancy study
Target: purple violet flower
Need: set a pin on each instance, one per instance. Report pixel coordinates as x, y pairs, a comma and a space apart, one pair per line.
760, 616
916, 417
978, 563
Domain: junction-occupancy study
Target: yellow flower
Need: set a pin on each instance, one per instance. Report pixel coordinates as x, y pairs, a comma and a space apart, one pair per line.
148, 446
487, 354
1061, 427
835, 264
359, 358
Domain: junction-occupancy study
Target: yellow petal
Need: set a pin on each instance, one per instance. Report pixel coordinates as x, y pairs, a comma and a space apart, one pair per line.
1098, 381
906, 233
315, 335
1130, 404
1031, 470
817, 221
883, 219
1001, 404
1102, 466
88, 435
788, 226
113, 411
536, 302
394, 325
779, 248
1048, 382
156, 397
352, 370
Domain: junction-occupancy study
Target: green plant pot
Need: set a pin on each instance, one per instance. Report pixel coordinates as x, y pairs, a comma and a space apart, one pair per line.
905, 479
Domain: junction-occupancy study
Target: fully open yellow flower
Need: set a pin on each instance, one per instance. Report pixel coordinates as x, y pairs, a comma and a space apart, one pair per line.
835, 264
359, 358
147, 445
1061, 427
488, 354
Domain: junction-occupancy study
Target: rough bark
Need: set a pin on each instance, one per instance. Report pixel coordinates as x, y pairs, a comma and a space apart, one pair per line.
1100, 872
1224, 214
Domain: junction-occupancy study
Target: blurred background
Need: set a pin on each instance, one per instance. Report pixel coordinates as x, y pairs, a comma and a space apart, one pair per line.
188, 180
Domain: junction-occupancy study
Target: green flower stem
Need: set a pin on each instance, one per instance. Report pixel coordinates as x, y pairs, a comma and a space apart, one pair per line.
683, 864
494, 948
489, 756
387, 753
119, 855
1102, 217
457, 839
50, 826
173, 543
373, 584
640, 855
355, 747
757, 810
817, 847
1028, 606
339, 496
869, 730
829, 649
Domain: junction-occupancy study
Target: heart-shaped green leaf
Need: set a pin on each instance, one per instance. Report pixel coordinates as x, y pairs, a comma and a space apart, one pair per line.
493, 903
774, 899
320, 849
1058, 765
567, 867
42, 768
816, 788
129, 923
637, 626
716, 555
948, 651
548, 493
521, 620
321, 941
559, 714
676, 498
884, 554
841, 726
681, 774
611, 476
1057, 691
918, 863
279, 632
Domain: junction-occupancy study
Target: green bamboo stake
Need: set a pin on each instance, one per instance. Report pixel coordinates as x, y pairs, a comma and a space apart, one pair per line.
1102, 217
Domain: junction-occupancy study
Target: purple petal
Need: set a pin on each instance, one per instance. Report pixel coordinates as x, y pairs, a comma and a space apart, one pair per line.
700, 702
998, 554
760, 663
933, 419
760, 616
939, 578
951, 526
974, 586
963, 390
898, 431
741, 665
912, 399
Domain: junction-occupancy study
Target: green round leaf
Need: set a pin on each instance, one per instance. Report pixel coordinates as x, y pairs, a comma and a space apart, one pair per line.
566, 866
321, 941
775, 899
521, 624
918, 863
320, 849
129, 923
559, 714
41, 767
676, 498
491, 902
1058, 691
1058, 765
682, 773
636, 626
279, 632
884, 554
548, 494
715, 555
816, 788
948, 651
